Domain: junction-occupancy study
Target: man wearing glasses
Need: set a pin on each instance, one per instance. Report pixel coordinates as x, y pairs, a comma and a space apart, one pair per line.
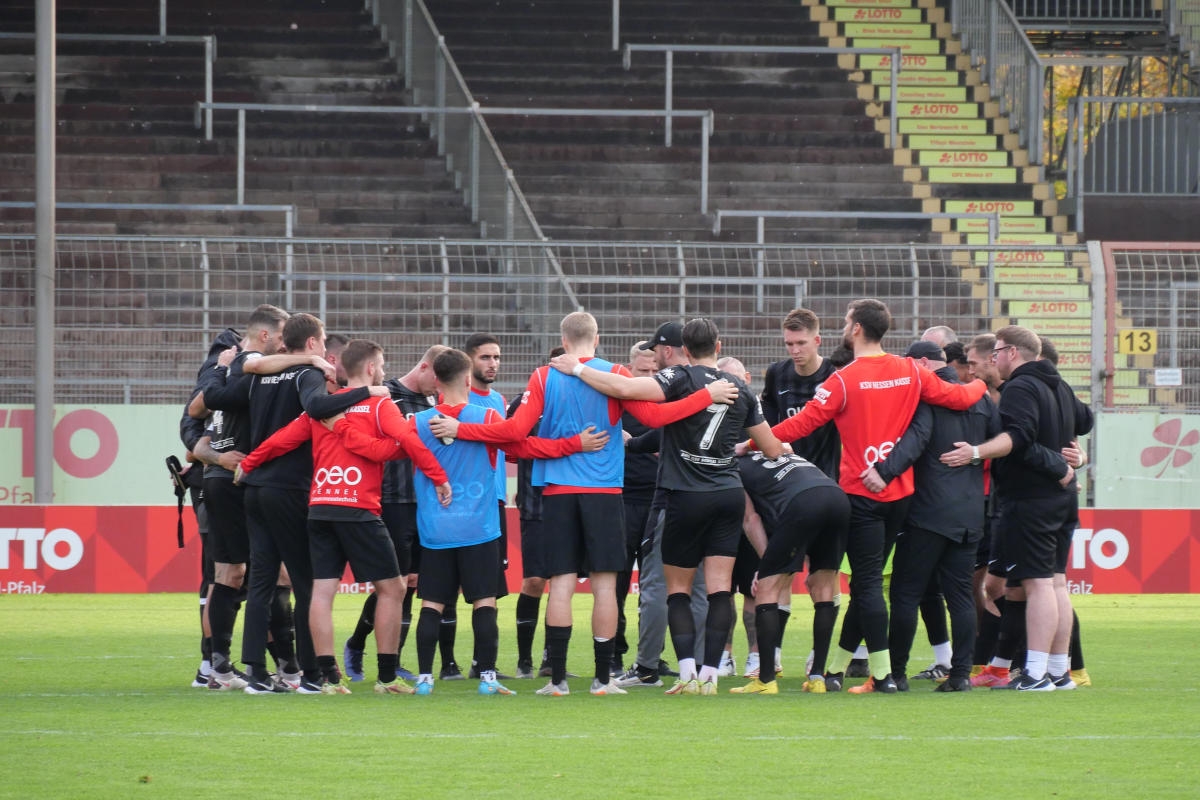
1035, 504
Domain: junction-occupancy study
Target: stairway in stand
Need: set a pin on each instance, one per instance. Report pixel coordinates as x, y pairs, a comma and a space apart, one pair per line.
959, 156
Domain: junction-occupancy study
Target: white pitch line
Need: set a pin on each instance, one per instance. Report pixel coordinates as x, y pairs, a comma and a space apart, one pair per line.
226, 734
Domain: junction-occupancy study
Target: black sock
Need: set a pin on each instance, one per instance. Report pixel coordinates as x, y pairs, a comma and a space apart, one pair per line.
366, 623
1012, 630
785, 614
1076, 646
429, 624
989, 634
221, 616
283, 629
933, 614
487, 633
558, 638
824, 618
527, 619
446, 634
387, 666
681, 625
716, 627
767, 619
206, 648
405, 618
329, 668
603, 652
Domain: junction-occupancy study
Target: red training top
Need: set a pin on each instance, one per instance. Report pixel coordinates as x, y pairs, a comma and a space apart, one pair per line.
340, 476
872, 401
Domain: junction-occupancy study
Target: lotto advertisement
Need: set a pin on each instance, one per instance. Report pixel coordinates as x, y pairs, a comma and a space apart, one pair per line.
112, 526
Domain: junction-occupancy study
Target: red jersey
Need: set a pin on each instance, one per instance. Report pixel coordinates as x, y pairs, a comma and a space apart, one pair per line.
340, 476
533, 404
872, 401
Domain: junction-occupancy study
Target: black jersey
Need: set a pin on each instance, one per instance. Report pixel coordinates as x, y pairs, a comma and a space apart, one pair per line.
276, 400
641, 468
784, 393
697, 451
774, 484
528, 497
227, 393
398, 474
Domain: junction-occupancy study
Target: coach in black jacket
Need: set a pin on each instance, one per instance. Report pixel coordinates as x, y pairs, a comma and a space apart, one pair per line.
945, 521
1037, 507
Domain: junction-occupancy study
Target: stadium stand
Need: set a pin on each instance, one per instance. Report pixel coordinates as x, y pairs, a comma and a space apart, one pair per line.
126, 131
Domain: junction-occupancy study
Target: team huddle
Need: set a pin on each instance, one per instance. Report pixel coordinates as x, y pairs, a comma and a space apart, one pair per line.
313, 461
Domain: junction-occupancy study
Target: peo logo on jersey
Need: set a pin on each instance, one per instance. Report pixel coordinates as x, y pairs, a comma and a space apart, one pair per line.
337, 476
874, 454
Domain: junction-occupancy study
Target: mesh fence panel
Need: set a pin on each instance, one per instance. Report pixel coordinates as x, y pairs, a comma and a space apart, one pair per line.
136, 314
1156, 288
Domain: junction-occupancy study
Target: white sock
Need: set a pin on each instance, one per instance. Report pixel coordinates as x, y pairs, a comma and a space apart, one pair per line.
1000, 663
425, 677
1058, 664
488, 675
861, 652
707, 673
941, 653
1035, 664
687, 669
206, 667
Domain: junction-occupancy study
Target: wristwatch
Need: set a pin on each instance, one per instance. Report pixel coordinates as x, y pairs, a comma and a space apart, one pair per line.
975, 459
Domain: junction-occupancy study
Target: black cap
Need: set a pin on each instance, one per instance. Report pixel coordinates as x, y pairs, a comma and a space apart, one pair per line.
924, 349
669, 333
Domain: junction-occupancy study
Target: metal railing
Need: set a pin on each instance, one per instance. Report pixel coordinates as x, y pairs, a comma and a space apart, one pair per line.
669, 51
1008, 65
1132, 146
430, 73
761, 216
288, 211
1098, 15
156, 302
209, 42
474, 155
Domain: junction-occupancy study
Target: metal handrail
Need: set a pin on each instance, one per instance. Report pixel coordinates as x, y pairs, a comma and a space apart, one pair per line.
669, 51
209, 42
992, 218
705, 117
1007, 62
288, 211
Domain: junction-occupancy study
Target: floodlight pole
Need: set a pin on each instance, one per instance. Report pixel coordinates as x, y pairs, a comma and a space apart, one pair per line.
44, 254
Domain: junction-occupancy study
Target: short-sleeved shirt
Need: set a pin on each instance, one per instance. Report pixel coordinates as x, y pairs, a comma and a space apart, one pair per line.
494, 400
398, 474
697, 451
774, 484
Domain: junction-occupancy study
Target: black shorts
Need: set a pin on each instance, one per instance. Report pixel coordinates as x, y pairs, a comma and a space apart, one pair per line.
367, 546
584, 533
700, 524
228, 542
401, 522
1037, 537
821, 513
744, 568
473, 568
533, 549
502, 553
827, 547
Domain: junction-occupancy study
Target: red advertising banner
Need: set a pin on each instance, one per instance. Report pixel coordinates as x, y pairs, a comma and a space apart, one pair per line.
62, 549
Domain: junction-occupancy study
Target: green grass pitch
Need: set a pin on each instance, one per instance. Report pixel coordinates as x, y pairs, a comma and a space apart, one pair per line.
95, 703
